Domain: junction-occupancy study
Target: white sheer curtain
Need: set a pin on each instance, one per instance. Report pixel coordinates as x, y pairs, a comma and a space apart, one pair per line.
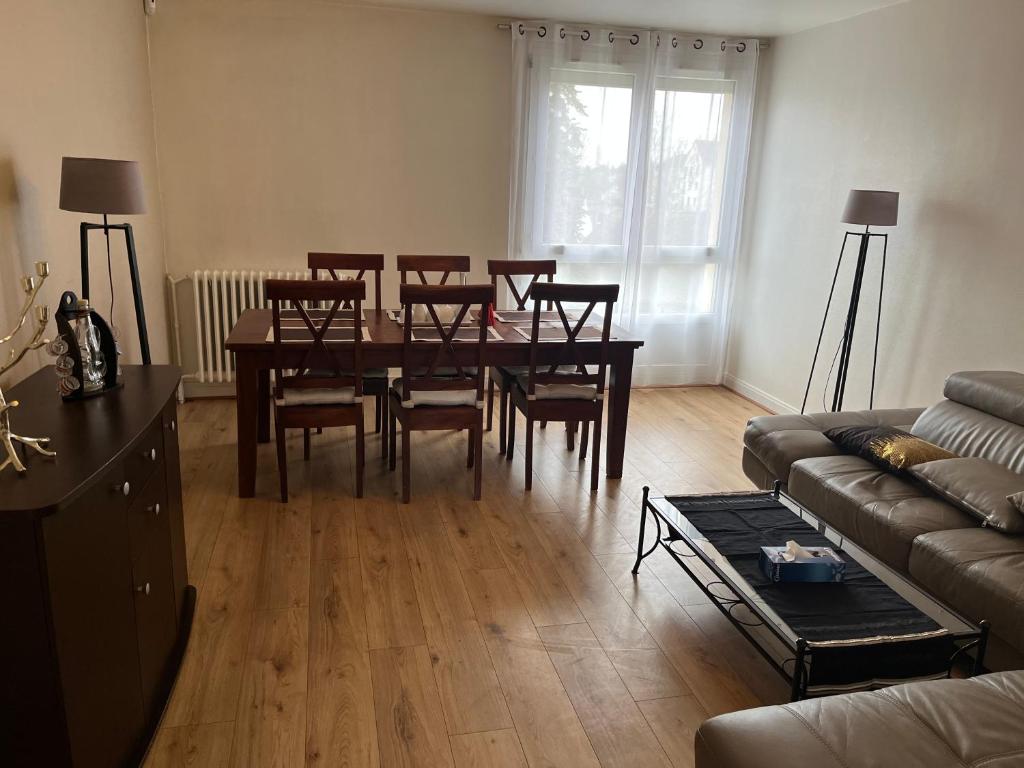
629, 160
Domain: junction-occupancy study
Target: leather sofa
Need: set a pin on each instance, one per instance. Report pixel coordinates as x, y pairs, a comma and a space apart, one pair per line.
977, 570
940, 724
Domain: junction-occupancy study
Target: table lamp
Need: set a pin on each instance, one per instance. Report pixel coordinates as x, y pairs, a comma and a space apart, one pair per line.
871, 208
107, 187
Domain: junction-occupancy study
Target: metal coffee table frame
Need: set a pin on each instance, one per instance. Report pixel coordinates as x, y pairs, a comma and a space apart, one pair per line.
971, 637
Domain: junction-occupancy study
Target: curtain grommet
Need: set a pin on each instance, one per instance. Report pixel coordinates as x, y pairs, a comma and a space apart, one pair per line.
675, 42
611, 37
522, 30
561, 32
585, 35
542, 32
698, 44
741, 47
634, 39
723, 46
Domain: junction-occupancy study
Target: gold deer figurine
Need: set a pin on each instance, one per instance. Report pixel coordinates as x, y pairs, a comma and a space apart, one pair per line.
31, 286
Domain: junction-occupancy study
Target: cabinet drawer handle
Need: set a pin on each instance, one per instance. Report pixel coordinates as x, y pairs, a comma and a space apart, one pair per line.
144, 589
172, 426
124, 488
150, 454
155, 509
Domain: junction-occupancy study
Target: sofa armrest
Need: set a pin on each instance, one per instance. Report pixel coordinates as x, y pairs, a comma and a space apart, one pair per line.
754, 738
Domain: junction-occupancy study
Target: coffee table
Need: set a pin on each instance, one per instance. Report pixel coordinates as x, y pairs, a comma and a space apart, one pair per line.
877, 628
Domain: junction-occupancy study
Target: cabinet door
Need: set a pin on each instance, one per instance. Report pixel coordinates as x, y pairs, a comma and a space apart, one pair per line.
153, 583
92, 607
175, 513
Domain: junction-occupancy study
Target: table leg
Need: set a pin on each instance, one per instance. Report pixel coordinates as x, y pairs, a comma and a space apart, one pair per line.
246, 395
618, 411
263, 406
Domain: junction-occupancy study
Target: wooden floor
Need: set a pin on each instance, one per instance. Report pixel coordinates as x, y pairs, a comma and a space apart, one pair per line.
506, 632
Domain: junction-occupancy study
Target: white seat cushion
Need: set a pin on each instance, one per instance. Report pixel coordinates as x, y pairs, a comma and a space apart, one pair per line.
447, 397
558, 391
327, 396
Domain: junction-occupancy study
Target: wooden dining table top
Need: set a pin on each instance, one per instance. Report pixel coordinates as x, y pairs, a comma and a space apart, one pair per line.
251, 333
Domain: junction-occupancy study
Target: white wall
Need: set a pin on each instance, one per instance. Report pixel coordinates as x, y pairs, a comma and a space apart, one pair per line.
74, 82
925, 98
286, 127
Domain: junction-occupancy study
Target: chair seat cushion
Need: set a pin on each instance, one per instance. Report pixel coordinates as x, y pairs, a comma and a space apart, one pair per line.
368, 373
558, 391
880, 511
443, 397
446, 370
326, 396
979, 572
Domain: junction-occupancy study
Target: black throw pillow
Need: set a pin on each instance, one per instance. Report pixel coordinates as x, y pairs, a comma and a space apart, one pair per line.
890, 448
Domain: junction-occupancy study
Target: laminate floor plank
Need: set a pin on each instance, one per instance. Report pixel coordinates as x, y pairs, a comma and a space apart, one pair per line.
270, 726
618, 731
468, 687
410, 726
340, 725
192, 746
392, 611
211, 674
488, 749
675, 721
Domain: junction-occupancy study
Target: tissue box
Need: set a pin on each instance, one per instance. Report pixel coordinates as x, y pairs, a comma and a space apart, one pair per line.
824, 565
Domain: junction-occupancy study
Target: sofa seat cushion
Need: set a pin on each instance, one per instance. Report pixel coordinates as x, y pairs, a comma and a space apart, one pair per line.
979, 572
879, 511
940, 724
778, 441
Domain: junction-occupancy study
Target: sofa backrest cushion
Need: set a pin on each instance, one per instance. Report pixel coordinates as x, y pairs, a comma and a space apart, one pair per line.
979, 487
1000, 393
968, 431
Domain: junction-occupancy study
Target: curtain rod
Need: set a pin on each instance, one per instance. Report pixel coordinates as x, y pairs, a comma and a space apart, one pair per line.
584, 34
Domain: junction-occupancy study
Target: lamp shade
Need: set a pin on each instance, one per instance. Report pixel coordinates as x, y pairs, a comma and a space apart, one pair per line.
94, 185
871, 207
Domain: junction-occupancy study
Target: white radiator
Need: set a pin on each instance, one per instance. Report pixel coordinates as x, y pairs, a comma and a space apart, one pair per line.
218, 298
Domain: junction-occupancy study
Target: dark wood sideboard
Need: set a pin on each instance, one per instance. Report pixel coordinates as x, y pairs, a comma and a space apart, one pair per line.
94, 596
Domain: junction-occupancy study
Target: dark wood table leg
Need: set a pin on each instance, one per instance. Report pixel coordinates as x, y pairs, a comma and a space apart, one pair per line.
263, 407
246, 395
620, 381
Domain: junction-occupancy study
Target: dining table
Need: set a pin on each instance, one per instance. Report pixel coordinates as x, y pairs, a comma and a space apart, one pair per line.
251, 342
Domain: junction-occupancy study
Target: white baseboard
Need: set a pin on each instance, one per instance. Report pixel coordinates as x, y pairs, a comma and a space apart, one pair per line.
758, 395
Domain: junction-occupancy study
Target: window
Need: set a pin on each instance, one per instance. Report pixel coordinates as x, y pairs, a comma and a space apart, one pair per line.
630, 161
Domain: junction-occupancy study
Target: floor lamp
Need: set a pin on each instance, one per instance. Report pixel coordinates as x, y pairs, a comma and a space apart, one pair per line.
93, 185
872, 208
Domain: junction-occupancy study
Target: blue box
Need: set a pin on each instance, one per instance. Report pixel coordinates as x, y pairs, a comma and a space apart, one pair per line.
823, 566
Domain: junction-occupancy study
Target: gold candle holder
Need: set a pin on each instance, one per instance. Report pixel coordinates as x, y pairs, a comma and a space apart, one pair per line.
8, 440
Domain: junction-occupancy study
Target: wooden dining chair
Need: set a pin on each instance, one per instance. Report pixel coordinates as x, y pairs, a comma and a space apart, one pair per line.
424, 398
422, 265
567, 389
504, 377
326, 388
336, 266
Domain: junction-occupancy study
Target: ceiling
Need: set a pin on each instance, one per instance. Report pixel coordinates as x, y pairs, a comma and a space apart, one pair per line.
759, 18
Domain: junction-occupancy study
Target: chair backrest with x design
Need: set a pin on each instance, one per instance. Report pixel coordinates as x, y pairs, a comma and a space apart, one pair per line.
360, 263
329, 362
511, 268
569, 352
421, 265
445, 372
